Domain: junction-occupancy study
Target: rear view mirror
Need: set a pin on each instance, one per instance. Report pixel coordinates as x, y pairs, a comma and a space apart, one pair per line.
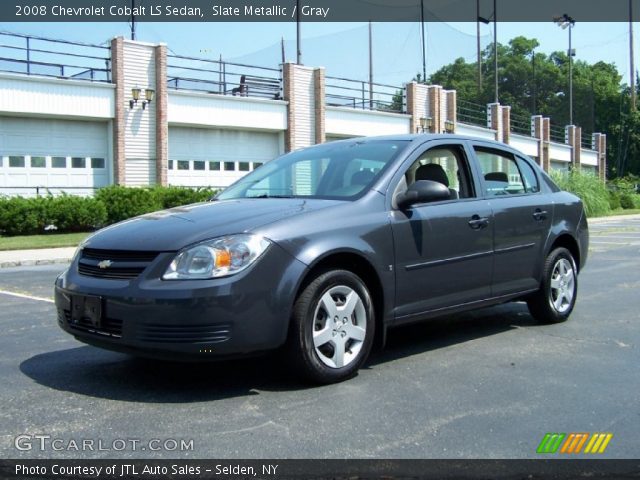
423, 191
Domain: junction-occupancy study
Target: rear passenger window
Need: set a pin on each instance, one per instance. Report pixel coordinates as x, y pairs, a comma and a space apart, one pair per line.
529, 176
501, 173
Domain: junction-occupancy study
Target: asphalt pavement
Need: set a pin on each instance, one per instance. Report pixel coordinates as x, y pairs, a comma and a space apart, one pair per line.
487, 384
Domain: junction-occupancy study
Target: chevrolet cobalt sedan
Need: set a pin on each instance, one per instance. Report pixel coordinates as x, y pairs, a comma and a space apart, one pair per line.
322, 250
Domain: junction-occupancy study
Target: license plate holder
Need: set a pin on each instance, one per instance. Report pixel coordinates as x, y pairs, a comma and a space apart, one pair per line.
86, 307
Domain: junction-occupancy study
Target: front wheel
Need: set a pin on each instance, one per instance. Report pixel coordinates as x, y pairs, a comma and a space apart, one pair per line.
555, 300
332, 327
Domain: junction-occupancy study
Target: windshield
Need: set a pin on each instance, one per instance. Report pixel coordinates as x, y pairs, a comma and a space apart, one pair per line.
333, 171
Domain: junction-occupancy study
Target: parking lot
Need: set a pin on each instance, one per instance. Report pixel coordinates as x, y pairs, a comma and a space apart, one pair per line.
488, 384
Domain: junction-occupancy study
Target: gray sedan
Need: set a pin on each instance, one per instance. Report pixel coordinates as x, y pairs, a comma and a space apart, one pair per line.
322, 250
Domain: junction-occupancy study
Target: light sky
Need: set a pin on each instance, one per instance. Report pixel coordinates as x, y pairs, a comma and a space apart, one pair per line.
342, 47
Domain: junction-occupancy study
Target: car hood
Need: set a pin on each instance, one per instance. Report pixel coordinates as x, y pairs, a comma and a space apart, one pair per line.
170, 230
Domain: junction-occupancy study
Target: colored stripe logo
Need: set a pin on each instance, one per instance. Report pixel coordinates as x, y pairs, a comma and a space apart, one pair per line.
573, 443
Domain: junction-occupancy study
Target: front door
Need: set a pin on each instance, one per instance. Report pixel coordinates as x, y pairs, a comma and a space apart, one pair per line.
443, 250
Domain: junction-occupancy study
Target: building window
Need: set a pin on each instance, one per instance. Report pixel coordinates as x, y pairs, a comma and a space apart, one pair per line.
97, 163
78, 162
214, 165
198, 165
59, 162
170, 165
183, 164
16, 161
257, 165
243, 166
229, 166
38, 162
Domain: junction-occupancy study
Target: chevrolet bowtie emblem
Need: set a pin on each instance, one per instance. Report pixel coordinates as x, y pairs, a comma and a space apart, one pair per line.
105, 264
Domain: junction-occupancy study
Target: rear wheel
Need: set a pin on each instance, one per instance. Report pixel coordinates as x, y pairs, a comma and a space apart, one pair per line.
332, 327
555, 300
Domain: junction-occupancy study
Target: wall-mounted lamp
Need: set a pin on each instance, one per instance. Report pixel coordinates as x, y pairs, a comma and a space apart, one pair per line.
135, 95
449, 126
425, 124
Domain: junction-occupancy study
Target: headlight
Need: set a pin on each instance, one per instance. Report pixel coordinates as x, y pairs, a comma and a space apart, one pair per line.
216, 258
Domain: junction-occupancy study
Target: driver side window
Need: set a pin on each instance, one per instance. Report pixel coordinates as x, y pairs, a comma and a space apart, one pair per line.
445, 164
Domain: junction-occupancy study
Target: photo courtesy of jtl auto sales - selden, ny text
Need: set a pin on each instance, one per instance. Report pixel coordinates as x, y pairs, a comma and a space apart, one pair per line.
319, 239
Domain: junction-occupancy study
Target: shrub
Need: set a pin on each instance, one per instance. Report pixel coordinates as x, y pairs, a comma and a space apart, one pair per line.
626, 201
22, 216
170, 197
126, 202
588, 187
75, 214
614, 200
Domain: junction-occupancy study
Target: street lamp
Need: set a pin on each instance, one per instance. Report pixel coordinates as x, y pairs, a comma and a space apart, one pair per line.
486, 21
564, 22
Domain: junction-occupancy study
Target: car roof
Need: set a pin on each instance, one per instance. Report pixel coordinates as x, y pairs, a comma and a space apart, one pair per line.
421, 137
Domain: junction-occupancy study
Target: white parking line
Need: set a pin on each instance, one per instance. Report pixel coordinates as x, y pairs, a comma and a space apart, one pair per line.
28, 297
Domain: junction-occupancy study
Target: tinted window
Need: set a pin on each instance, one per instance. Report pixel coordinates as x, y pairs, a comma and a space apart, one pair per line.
243, 166
97, 163
16, 162
214, 165
529, 176
38, 162
183, 164
59, 162
229, 166
500, 171
198, 165
78, 162
445, 164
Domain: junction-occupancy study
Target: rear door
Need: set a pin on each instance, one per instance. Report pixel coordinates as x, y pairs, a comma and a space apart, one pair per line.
522, 216
443, 250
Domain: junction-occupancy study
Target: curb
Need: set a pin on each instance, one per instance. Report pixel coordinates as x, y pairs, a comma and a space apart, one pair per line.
613, 218
32, 263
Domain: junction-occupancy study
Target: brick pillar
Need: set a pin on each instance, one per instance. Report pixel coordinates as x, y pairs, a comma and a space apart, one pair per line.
289, 97
305, 106
162, 125
452, 108
494, 119
577, 148
546, 140
570, 139
536, 132
506, 123
434, 95
411, 90
117, 77
601, 148
320, 104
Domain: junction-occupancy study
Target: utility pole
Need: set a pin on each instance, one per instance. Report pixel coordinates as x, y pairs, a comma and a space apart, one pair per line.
133, 20
631, 59
534, 93
564, 22
298, 39
424, 43
478, 47
495, 46
370, 67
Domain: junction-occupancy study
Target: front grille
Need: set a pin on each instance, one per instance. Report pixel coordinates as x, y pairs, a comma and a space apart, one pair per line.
109, 327
114, 264
184, 333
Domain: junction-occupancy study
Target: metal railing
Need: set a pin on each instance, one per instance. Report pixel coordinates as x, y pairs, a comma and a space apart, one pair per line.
587, 140
222, 77
345, 92
472, 113
557, 134
521, 124
32, 55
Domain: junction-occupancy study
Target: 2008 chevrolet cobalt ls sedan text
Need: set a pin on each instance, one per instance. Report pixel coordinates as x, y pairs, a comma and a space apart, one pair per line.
325, 248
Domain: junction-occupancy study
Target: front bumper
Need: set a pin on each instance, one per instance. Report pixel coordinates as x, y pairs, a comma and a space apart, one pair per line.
185, 319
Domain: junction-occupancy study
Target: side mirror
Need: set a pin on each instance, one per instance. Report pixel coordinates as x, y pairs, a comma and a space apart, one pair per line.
423, 191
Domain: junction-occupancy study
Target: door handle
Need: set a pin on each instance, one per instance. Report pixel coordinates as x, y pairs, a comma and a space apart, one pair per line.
539, 214
478, 222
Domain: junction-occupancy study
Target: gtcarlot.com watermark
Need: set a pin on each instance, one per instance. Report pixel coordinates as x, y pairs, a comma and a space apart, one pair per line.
48, 443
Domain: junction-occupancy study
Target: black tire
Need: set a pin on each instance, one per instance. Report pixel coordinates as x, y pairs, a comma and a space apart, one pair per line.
550, 304
311, 317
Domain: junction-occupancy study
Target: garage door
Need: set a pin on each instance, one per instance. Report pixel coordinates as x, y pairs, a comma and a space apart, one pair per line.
61, 155
216, 157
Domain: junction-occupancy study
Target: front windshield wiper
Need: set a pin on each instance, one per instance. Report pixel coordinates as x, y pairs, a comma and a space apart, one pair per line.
266, 195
